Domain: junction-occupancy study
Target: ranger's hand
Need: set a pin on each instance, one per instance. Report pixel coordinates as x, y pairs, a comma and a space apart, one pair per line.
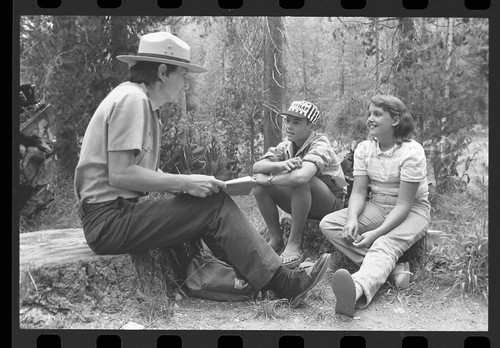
203, 185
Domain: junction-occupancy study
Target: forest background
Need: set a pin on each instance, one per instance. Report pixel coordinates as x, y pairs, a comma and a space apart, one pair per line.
228, 117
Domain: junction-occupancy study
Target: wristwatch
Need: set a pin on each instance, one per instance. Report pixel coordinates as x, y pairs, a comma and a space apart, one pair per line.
269, 178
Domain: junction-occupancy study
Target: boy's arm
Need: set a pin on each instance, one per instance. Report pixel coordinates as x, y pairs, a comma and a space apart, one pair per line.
267, 166
296, 177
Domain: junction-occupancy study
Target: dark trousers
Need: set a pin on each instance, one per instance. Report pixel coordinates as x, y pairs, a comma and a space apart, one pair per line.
122, 226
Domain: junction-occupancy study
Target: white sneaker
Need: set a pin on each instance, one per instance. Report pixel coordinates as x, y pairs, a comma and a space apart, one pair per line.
400, 275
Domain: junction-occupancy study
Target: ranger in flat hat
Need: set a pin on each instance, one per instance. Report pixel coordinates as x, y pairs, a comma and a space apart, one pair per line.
301, 175
163, 47
119, 163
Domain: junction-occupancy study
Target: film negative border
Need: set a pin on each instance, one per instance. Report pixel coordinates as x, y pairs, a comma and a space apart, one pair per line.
284, 4
232, 338
237, 339
445, 8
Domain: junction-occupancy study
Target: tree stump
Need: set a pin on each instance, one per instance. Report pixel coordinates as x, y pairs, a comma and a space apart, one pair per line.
60, 275
314, 244
165, 268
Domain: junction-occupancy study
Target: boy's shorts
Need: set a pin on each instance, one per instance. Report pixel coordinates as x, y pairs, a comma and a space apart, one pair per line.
338, 192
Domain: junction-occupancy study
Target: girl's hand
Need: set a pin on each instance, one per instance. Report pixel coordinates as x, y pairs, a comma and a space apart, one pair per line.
365, 240
350, 230
291, 164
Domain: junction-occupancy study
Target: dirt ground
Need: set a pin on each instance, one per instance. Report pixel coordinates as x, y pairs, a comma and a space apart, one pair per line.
419, 308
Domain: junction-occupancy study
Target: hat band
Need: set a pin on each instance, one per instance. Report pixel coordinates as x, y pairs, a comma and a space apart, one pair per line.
154, 55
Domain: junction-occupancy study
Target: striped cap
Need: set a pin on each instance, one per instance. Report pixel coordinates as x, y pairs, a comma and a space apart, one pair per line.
303, 109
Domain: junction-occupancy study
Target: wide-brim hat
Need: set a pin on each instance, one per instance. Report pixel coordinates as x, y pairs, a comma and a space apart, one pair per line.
303, 109
163, 47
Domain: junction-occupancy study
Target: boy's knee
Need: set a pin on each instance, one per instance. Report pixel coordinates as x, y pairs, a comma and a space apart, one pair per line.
259, 190
305, 186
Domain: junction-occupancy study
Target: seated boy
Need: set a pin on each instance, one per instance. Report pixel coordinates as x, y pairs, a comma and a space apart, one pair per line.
302, 175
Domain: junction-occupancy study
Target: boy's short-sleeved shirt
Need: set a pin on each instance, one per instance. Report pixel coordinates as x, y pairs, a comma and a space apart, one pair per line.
386, 169
316, 149
125, 120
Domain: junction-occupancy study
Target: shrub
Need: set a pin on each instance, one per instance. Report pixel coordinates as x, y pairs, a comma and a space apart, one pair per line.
460, 258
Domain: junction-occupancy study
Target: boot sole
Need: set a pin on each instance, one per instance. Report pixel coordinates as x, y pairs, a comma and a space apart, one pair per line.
345, 292
300, 297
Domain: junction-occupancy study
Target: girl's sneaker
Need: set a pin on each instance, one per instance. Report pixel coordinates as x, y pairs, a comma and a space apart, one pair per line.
400, 275
345, 292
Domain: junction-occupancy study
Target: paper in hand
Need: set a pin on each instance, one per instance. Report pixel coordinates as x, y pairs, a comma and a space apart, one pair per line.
240, 186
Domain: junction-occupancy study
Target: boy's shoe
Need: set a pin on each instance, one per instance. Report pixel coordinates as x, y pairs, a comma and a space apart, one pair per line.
294, 284
400, 275
345, 292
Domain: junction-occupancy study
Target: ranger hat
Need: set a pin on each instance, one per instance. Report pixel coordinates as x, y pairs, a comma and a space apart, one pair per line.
163, 47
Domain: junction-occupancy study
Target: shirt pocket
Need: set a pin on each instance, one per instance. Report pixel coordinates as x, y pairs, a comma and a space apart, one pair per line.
147, 145
147, 148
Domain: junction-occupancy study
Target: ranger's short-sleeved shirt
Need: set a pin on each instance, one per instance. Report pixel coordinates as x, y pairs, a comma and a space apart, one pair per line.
125, 120
316, 149
386, 169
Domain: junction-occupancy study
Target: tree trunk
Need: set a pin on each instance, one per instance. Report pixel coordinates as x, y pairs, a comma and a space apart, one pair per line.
65, 148
274, 77
449, 49
118, 30
405, 47
342, 69
251, 126
304, 67
377, 55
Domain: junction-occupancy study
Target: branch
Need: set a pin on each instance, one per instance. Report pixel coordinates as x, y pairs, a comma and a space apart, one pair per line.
279, 72
372, 22
251, 55
270, 107
277, 81
270, 35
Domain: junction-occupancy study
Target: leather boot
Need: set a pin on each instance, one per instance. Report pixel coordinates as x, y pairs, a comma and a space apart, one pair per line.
294, 284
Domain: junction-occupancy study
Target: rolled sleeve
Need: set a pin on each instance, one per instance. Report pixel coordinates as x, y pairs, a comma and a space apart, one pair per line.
275, 154
321, 154
414, 165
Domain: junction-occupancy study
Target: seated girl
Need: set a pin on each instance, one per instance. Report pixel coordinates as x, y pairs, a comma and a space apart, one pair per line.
302, 176
375, 233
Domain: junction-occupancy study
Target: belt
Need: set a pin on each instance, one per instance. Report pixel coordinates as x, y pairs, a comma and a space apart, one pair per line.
86, 208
